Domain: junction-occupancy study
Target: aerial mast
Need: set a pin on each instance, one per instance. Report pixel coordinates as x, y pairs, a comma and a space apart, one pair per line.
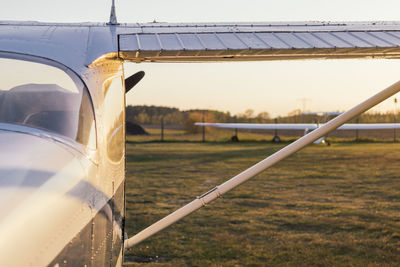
113, 15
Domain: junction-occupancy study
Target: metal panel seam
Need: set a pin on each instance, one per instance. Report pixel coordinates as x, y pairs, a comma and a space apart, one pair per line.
302, 39
219, 39
201, 42
246, 45
322, 40
363, 40
393, 35
180, 41
261, 40
381, 39
341, 39
280, 39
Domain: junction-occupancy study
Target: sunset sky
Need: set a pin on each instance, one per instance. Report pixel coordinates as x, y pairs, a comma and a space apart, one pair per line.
275, 87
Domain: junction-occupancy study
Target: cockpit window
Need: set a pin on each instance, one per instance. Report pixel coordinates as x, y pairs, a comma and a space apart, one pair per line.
43, 95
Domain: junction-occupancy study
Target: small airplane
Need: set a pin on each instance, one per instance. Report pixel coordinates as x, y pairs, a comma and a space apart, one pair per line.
306, 127
62, 113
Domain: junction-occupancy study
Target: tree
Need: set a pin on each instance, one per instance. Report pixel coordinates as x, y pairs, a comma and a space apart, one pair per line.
249, 113
263, 116
197, 116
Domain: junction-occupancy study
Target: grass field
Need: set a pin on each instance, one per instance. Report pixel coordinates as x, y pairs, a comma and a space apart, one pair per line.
324, 206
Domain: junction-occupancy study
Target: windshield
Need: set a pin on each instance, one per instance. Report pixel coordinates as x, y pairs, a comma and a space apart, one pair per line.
46, 96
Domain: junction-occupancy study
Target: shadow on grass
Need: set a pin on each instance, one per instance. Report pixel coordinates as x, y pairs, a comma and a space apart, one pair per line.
288, 141
267, 141
200, 157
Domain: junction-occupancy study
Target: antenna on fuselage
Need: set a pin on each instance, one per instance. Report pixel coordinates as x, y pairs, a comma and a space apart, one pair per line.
113, 15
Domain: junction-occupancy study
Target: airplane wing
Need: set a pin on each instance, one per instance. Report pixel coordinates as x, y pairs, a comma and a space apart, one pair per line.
369, 126
299, 126
262, 126
86, 43
157, 42
321, 113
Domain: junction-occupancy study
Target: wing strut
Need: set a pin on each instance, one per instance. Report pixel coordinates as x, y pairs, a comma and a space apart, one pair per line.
261, 166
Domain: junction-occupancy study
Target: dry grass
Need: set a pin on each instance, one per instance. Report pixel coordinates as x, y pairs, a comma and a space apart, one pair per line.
324, 206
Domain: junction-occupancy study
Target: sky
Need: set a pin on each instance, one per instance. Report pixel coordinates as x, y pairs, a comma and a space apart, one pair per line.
277, 87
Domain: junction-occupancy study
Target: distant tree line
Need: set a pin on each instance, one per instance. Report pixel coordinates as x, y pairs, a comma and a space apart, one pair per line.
153, 115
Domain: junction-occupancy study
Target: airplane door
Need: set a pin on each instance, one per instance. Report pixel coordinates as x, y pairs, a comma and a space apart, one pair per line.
108, 232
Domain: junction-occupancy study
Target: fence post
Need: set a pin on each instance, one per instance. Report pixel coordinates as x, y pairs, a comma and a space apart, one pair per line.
358, 120
162, 129
203, 128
